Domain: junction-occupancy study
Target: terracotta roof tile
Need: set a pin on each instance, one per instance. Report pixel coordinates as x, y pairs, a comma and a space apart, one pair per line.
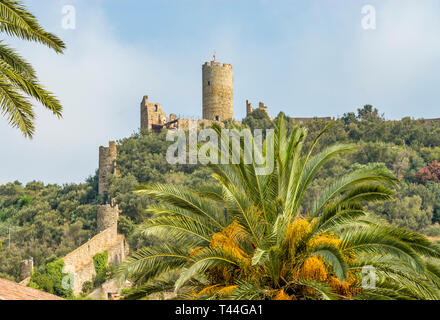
10, 290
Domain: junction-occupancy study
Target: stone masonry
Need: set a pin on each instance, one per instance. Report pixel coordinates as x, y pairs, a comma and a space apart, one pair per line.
107, 166
79, 263
152, 114
26, 267
107, 216
261, 105
218, 97
217, 103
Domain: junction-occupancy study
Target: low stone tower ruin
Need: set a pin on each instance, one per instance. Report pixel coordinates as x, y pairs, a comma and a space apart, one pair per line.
217, 83
261, 106
26, 267
249, 107
107, 216
107, 166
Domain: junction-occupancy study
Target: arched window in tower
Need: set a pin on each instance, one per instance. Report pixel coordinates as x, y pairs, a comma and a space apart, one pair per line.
155, 107
217, 118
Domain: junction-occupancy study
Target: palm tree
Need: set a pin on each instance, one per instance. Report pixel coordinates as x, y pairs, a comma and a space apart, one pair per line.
248, 237
18, 80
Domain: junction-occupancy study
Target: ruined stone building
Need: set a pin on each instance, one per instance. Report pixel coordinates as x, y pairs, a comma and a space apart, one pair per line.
152, 114
261, 105
217, 97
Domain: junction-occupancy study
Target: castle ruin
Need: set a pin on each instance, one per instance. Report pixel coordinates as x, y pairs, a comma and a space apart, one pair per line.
217, 103
261, 106
152, 114
217, 97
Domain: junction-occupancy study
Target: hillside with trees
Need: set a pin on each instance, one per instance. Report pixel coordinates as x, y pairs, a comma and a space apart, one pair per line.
48, 221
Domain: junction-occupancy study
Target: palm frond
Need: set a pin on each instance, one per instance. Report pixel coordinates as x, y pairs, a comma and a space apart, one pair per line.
152, 261
16, 62
334, 257
188, 200
209, 258
15, 20
16, 108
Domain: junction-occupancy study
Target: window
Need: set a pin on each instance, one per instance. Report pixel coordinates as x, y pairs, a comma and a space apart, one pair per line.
155, 107
217, 118
209, 83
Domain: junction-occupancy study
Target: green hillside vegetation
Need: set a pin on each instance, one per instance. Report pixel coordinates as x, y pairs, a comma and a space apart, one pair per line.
253, 236
48, 221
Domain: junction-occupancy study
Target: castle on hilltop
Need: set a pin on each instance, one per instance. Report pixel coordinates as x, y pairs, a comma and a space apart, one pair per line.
217, 106
217, 103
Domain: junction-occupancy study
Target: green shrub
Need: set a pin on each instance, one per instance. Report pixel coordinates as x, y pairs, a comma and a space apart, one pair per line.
432, 231
42, 281
25, 200
100, 261
87, 287
51, 280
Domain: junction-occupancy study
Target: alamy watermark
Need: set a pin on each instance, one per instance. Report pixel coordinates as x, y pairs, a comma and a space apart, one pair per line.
68, 22
231, 146
368, 278
368, 21
68, 280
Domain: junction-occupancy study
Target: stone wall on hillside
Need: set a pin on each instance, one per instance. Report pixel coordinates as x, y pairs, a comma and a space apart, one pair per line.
79, 263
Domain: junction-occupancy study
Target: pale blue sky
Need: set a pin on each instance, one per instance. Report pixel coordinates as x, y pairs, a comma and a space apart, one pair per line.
306, 58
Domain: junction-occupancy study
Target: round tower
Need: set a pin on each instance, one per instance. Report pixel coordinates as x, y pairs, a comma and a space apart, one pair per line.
107, 216
107, 166
218, 95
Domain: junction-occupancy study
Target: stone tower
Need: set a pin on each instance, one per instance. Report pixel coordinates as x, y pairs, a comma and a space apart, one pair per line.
249, 108
151, 113
107, 166
107, 216
217, 82
26, 267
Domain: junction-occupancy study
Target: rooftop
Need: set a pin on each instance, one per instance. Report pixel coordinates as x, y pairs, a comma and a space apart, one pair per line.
10, 290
